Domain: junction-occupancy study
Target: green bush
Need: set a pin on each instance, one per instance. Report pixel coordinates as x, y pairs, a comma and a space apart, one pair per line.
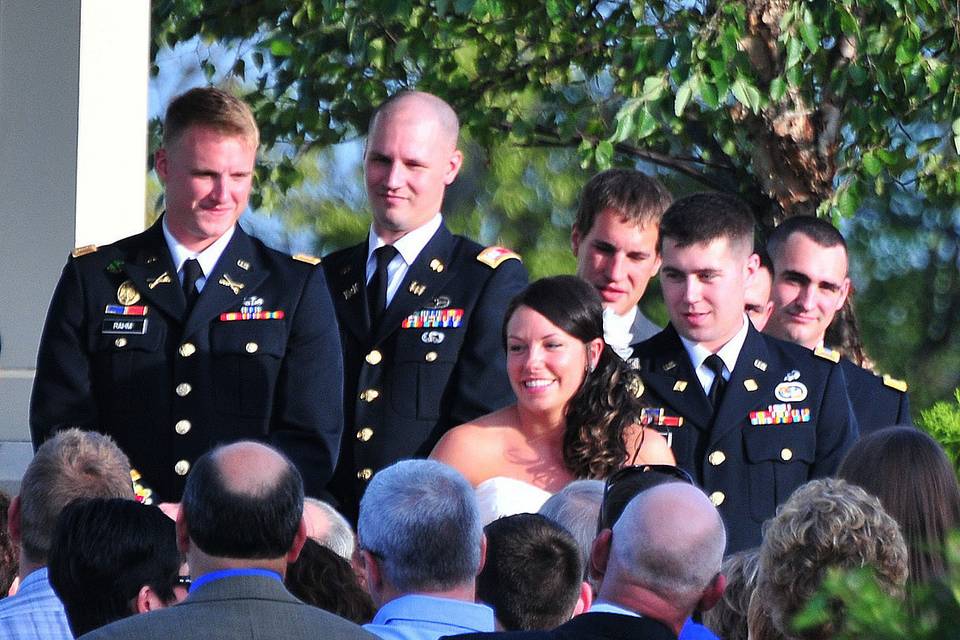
942, 421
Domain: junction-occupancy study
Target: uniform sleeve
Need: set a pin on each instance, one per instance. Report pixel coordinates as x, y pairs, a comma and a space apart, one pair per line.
837, 428
307, 420
479, 383
62, 395
904, 416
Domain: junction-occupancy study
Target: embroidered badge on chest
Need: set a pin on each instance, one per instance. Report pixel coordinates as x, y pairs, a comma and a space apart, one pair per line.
790, 391
434, 318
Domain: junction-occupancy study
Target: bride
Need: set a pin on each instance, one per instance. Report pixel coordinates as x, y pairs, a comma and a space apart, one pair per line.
578, 412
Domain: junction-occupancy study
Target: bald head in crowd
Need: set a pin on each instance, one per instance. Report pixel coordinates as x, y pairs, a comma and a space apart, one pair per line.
662, 559
242, 507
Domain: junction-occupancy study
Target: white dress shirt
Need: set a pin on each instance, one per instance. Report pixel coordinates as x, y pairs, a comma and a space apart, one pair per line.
728, 353
409, 247
207, 258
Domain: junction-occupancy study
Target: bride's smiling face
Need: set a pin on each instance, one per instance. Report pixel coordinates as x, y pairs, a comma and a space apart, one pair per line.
545, 364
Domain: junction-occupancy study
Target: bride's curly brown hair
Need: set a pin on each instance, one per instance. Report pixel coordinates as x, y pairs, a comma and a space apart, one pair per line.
607, 402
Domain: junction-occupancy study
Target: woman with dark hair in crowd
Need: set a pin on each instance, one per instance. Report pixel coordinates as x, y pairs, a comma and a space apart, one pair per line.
578, 412
323, 579
914, 480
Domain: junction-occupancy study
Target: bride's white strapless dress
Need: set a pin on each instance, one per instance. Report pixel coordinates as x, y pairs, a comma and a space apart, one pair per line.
502, 496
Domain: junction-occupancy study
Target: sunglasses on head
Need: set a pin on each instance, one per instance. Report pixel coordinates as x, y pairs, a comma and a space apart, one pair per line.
636, 473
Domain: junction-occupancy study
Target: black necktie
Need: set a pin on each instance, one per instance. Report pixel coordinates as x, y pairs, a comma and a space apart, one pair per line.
377, 287
191, 273
715, 364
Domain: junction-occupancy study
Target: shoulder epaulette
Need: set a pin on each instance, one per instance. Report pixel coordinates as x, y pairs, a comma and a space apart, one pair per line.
306, 257
493, 257
893, 383
84, 250
827, 354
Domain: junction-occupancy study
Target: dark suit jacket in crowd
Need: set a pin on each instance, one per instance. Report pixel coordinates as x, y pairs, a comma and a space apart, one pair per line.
436, 361
120, 355
876, 403
784, 419
588, 626
234, 608
642, 328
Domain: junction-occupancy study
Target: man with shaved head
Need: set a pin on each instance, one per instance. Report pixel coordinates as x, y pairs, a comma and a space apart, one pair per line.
420, 309
659, 563
240, 523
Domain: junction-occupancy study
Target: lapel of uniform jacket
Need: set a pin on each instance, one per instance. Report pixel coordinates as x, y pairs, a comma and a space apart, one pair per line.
426, 276
743, 396
153, 274
228, 283
672, 377
348, 285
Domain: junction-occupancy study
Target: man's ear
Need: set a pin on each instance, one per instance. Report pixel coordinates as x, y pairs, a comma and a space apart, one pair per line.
483, 552
453, 167
160, 164
712, 594
585, 599
147, 600
299, 540
371, 569
575, 241
844, 292
183, 533
600, 554
13, 520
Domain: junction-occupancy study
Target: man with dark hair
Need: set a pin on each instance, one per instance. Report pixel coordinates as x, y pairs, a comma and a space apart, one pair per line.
533, 575
749, 416
240, 523
420, 309
73, 464
421, 546
810, 287
615, 241
756, 298
112, 558
193, 333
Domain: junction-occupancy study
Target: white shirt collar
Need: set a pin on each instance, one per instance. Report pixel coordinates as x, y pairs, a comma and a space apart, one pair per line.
728, 353
617, 330
207, 258
409, 246
602, 606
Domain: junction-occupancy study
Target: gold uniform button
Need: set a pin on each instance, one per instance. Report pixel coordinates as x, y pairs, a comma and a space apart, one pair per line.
717, 458
717, 498
182, 427
120, 342
431, 356
187, 349
364, 434
181, 468
786, 454
365, 474
374, 357
369, 395
183, 389
251, 347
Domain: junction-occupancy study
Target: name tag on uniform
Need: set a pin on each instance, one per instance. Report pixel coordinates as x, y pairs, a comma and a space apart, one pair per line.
127, 326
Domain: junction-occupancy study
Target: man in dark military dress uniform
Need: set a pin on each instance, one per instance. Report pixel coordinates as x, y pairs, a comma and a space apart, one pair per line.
751, 417
420, 310
810, 286
193, 333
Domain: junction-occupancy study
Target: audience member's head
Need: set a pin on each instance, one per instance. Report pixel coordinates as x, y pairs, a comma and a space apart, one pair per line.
728, 620
72, 464
419, 531
111, 558
615, 235
328, 527
576, 508
8, 550
662, 558
242, 502
625, 483
825, 524
533, 574
320, 577
927, 506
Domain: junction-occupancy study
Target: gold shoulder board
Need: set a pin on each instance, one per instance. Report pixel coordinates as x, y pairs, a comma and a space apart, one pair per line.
493, 257
827, 354
893, 383
84, 250
306, 257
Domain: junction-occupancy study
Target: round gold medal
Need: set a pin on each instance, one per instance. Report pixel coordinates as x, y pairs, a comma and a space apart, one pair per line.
127, 294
